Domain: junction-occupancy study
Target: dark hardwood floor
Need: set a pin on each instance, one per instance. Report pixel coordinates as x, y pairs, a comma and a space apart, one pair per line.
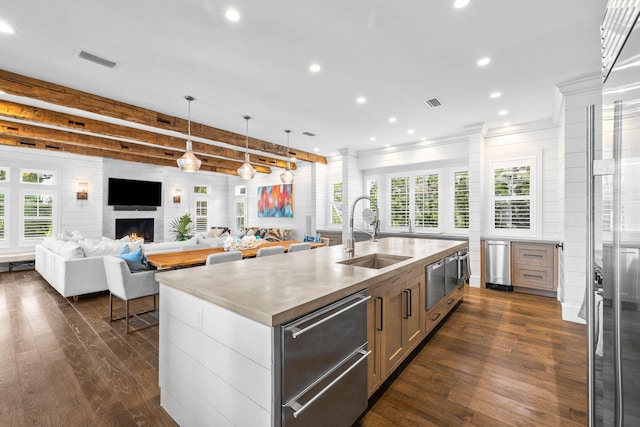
500, 359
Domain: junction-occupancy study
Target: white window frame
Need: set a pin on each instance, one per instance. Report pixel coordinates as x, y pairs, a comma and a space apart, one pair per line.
332, 204
7, 171
368, 183
411, 177
4, 242
535, 198
452, 192
242, 217
39, 172
199, 198
54, 214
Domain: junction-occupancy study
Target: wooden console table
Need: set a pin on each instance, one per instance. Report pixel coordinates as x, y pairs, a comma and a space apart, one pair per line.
199, 256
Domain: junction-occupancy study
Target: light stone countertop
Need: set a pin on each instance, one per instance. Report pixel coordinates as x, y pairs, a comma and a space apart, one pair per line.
276, 289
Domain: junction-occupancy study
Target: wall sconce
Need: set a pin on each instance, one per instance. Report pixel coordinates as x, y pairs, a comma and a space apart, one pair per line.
83, 190
176, 195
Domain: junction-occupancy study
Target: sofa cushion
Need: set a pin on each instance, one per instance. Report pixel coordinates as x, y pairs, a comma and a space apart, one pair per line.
153, 248
94, 247
135, 259
70, 250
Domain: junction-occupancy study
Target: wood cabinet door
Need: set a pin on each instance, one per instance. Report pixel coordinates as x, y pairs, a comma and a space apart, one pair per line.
394, 310
374, 338
414, 294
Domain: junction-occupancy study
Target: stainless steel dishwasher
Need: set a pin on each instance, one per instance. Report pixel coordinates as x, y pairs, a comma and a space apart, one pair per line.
323, 365
497, 256
434, 283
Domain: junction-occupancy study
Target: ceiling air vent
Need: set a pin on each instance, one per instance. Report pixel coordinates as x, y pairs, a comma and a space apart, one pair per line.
308, 133
433, 102
83, 54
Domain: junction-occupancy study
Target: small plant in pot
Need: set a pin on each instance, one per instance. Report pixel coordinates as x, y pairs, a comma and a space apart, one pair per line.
182, 227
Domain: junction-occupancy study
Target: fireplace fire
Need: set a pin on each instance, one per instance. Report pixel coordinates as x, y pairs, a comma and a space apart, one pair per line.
135, 228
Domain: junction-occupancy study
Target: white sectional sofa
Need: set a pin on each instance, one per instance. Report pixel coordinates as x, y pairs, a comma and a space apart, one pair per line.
74, 266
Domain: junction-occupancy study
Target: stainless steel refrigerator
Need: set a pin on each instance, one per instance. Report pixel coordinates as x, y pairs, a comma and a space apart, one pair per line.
614, 222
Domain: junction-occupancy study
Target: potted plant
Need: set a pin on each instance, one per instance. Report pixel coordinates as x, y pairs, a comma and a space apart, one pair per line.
182, 227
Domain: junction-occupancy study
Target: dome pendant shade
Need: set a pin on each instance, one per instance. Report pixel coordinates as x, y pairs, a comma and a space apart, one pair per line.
287, 176
189, 162
246, 171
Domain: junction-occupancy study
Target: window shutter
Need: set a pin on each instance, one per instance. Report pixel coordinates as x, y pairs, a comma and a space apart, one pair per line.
461, 200
373, 187
239, 215
426, 200
2, 217
38, 216
202, 216
399, 202
512, 198
336, 205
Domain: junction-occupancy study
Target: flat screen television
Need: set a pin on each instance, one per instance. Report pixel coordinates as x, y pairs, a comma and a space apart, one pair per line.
130, 192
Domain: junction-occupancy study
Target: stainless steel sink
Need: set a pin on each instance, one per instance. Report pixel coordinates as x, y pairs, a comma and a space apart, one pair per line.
374, 260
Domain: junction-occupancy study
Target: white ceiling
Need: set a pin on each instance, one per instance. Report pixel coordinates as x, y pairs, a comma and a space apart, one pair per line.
396, 54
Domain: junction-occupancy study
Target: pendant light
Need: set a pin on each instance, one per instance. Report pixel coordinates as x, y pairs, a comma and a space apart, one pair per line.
246, 171
287, 176
189, 162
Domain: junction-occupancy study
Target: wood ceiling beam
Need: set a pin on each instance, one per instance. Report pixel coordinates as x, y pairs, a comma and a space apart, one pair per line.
16, 84
37, 144
68, 121
89, 141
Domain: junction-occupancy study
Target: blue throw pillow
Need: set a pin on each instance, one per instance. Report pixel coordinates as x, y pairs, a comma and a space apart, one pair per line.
135, 260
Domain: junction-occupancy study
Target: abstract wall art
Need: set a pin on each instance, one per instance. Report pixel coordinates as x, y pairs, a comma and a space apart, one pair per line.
275, 201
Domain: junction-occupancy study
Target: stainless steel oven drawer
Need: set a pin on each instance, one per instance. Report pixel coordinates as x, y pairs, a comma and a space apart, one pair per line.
336, 400
319, 341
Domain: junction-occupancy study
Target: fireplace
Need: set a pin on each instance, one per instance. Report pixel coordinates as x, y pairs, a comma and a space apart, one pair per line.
143, 227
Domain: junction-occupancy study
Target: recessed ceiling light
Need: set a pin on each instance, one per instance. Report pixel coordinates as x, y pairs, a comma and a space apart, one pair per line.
411, 131
484, 61
333, 154
314, 68
373, 138
361, 100
387, 145
316, 149
6, 28
423, 139
506, 124
232, 15
503, 112
458, 4
495, 95
392, 119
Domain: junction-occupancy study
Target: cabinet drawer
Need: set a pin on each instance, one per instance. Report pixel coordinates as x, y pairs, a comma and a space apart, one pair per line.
433, 316
533, 277
449, 302
532, 254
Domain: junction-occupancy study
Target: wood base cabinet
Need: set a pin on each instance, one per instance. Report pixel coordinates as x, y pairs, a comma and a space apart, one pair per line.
534, 266
374, 337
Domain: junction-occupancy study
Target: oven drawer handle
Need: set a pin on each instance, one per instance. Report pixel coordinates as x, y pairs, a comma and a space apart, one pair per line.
299, 408
295, 332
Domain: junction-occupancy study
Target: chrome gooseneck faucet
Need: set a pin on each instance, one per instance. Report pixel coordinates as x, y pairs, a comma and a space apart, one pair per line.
351, 243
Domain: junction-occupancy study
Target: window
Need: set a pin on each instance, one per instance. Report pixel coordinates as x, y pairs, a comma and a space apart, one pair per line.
38, 216
336, 204
28, 176
241, 190
373, 191
201, 219
201, 208
461, 199
4, 174
239, 215
3, 218
400, 201
426, 201
512, 194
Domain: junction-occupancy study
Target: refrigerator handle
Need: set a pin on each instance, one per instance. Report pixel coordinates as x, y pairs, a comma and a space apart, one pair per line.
590, 246
617, 222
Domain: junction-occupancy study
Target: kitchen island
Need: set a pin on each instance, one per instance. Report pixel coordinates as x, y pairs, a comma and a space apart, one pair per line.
220, 324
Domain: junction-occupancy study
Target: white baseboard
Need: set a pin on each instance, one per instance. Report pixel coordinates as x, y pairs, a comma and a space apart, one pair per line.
474, 281
570, 313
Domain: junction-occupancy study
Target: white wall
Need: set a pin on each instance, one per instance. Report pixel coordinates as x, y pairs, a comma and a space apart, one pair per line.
83, 215
578, 95
304, 203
